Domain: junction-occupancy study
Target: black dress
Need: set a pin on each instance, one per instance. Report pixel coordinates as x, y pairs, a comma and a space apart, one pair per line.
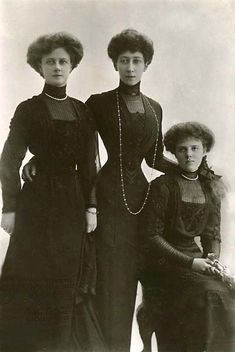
43, 287
117, 235
193, 312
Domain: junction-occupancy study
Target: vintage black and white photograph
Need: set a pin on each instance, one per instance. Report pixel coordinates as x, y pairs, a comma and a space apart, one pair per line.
117, 176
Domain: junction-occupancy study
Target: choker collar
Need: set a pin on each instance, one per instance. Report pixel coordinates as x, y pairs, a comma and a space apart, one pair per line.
55, 92
129, 90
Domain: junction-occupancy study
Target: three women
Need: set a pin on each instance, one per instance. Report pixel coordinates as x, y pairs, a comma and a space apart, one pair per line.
129, 124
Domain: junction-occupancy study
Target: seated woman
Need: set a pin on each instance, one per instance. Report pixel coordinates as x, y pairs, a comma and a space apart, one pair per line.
185, 301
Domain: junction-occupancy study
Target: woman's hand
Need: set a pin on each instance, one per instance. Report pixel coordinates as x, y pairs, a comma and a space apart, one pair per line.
29, 171
202, 265
8, 222
91, 219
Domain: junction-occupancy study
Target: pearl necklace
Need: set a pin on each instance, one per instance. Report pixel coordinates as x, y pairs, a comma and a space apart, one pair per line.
121, 160
190, 179
58, 99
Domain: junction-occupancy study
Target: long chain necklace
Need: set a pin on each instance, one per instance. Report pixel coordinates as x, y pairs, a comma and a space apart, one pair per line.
58, 99
121, 160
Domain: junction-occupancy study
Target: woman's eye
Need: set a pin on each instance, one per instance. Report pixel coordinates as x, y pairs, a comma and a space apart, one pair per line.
50, 62
137, 61
62, 62
181, 150
123, 61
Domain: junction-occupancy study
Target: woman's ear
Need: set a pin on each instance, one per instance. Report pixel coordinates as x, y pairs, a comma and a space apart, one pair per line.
146, 66
40, 70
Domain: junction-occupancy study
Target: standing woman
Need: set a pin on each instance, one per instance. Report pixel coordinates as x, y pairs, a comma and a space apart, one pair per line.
42, 291
130, 125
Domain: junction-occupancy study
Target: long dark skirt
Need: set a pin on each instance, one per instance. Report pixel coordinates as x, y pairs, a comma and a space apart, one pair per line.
192, 312
42, 306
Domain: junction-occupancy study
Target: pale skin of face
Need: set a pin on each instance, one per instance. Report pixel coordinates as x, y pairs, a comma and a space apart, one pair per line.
131, 67
189, 153
55, 68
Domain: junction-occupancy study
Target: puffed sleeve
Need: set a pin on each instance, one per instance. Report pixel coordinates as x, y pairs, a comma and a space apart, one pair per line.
12, 156
155, 222
210, 238
161, 163
91, 162
91, 103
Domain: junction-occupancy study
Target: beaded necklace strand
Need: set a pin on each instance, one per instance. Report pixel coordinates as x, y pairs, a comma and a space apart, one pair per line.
121, 160
190, 178
58, 99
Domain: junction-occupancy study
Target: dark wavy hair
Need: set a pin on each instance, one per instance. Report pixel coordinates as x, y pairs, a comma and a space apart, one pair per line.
130, 40
49, 42
188, 129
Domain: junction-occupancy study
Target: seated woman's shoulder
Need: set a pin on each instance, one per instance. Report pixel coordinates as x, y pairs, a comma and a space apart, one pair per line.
163, 182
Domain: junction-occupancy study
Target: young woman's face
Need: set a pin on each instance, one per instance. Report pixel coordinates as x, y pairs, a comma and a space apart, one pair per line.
189, 153
131, 66
56, 67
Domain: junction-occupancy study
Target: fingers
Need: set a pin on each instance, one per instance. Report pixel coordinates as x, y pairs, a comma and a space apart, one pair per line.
8, 230
8, 222
206, 266
29, 171
90, 228
209, 270
209, 261
91, 221
211, 256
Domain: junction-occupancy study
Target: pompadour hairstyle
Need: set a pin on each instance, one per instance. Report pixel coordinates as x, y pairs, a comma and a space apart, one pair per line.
130, 40
47, 43
188, 129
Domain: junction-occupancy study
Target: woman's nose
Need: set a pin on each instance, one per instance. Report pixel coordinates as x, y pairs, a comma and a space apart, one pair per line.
57, 66
189, 153
130, 66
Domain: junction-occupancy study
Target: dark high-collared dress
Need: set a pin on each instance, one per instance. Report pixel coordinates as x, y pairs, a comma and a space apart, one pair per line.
42, 285
189, 311
117, 235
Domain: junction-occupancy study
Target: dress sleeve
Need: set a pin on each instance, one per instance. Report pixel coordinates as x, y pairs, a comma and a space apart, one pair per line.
162, 163
12, 156
156, 218
210, 239
92, 104
91, 163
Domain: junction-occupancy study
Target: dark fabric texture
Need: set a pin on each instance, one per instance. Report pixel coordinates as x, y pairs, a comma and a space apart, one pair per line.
49, 251
117, 231
190, 311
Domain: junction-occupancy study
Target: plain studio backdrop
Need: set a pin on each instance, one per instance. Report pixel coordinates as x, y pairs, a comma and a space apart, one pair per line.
192, 73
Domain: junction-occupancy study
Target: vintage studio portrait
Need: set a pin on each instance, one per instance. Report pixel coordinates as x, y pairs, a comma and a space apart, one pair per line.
117, 176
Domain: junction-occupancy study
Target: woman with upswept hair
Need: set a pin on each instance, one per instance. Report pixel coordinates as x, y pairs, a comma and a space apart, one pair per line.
130, 125
46, 282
